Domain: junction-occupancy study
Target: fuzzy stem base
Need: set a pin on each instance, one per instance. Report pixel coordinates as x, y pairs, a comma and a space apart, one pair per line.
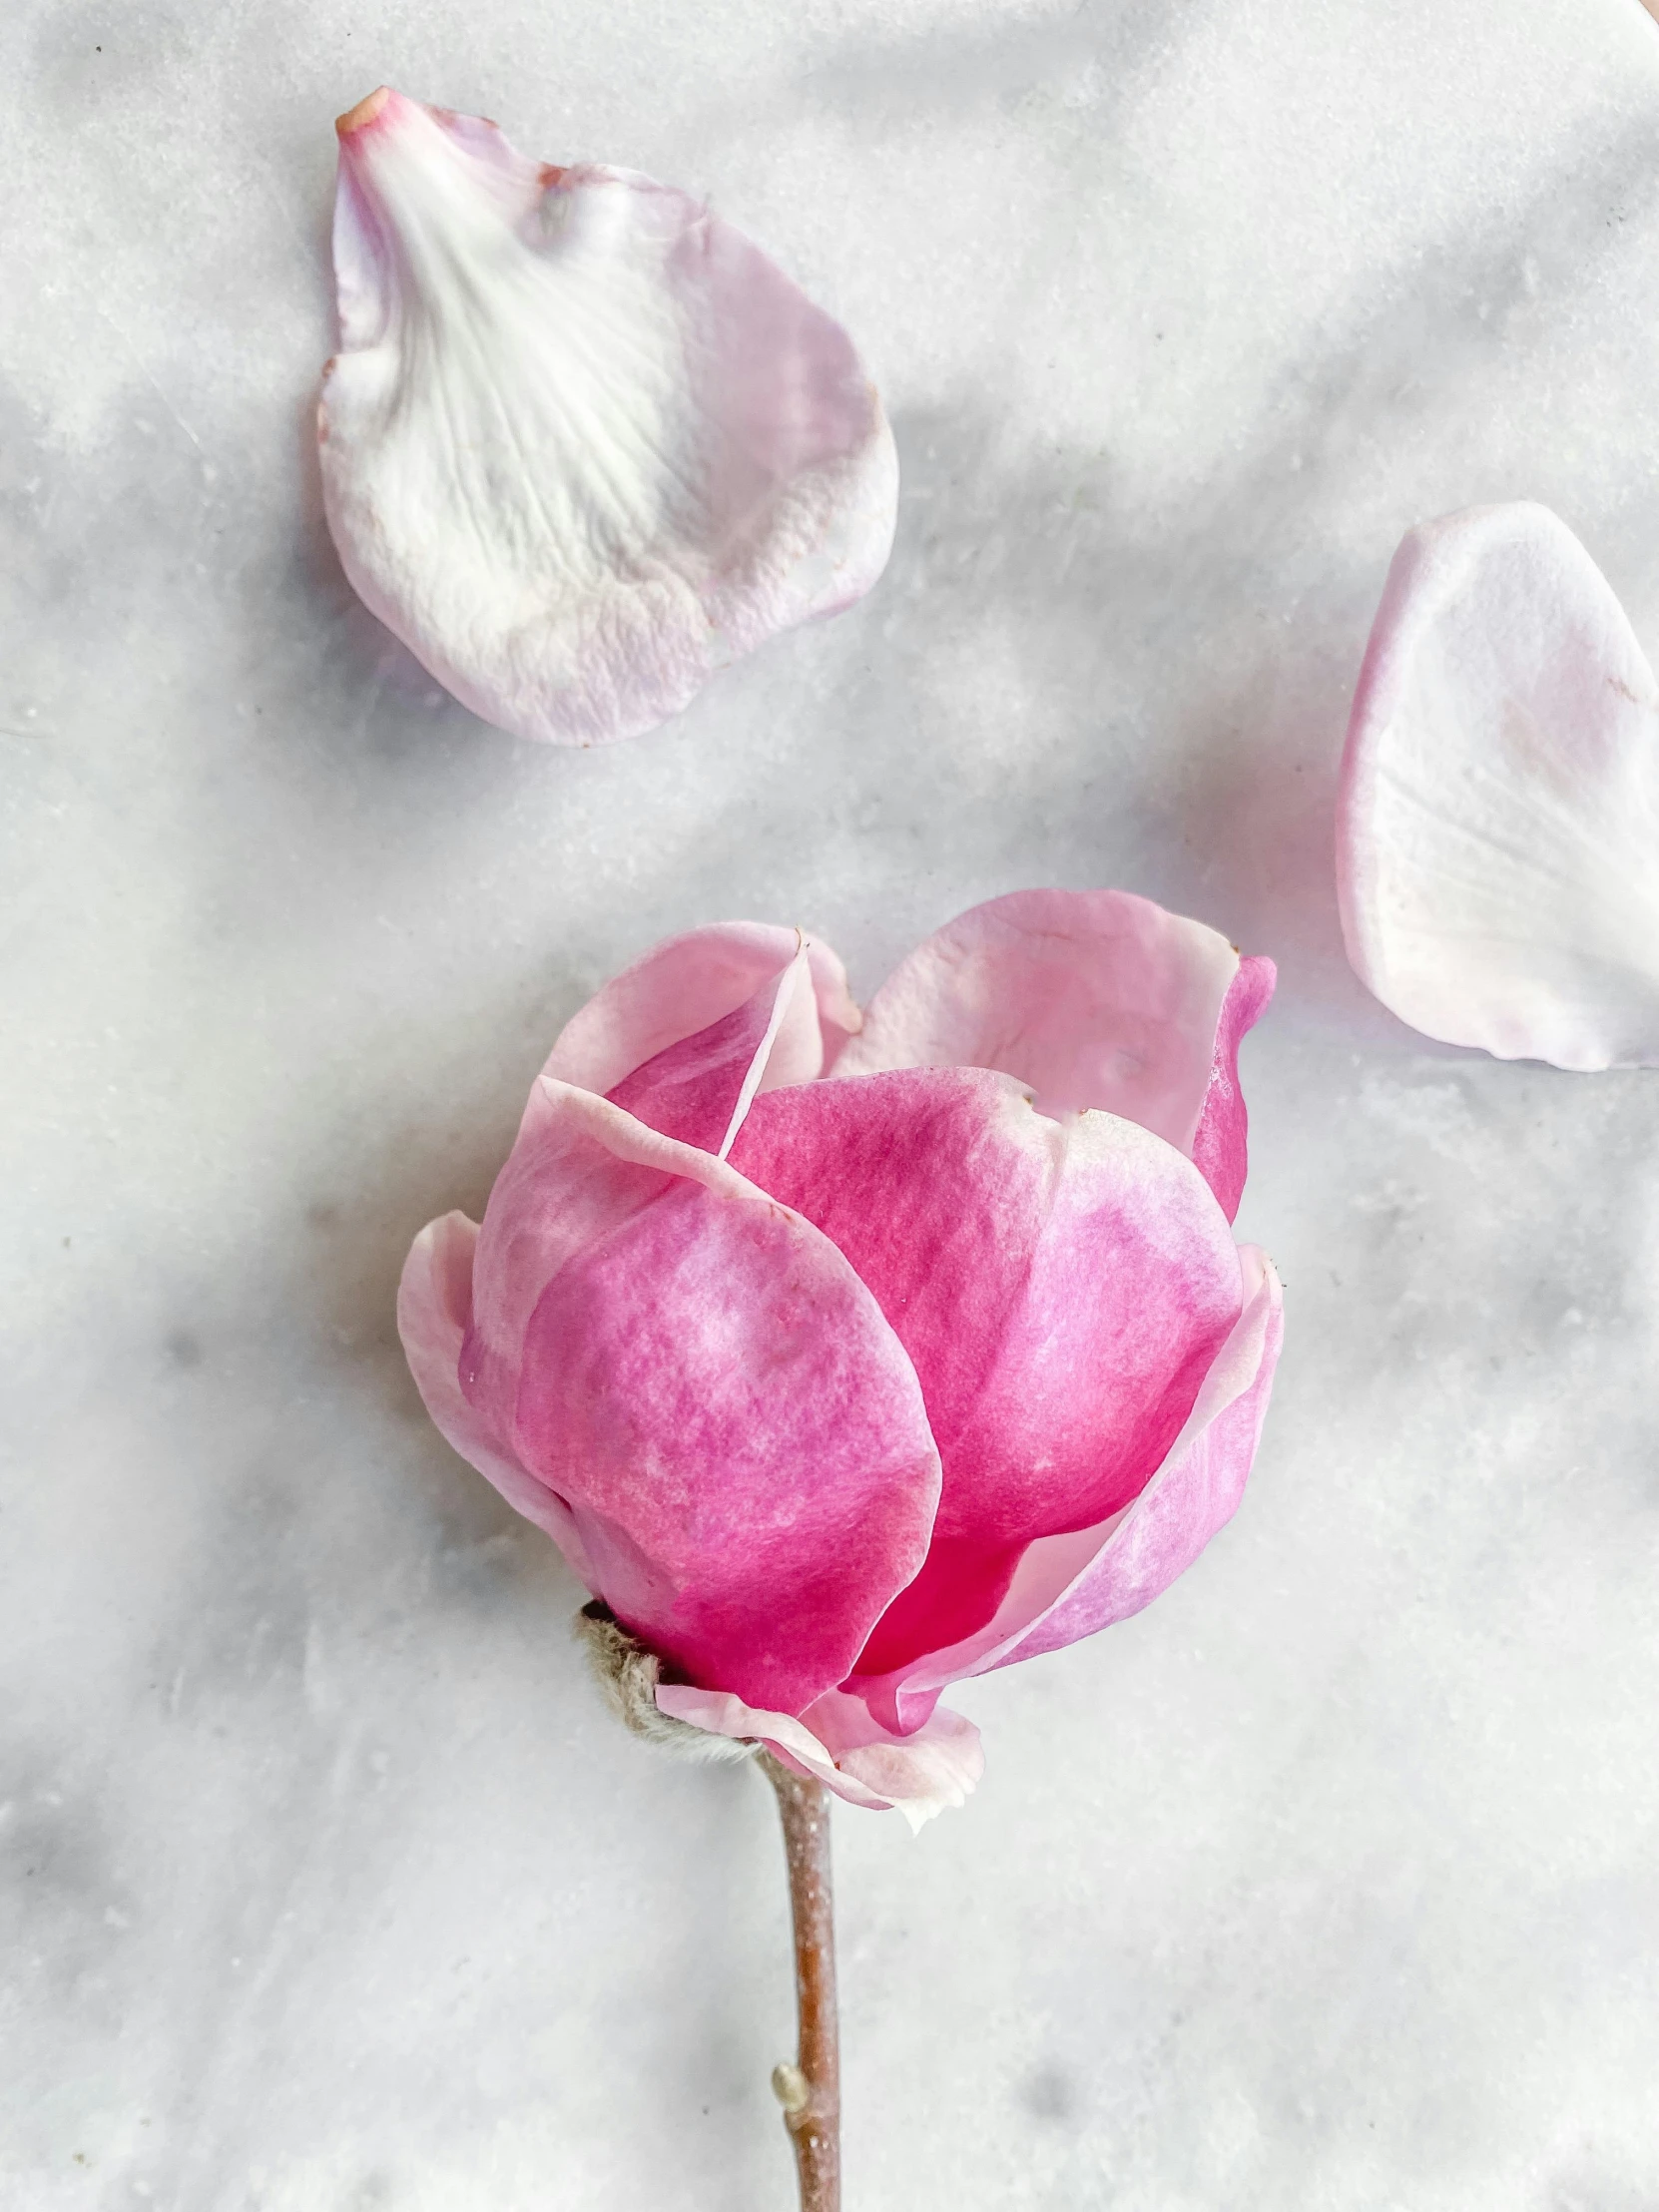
809, 2090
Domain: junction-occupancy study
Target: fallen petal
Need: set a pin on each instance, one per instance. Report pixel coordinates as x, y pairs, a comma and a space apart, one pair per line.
1498, 829
583, 443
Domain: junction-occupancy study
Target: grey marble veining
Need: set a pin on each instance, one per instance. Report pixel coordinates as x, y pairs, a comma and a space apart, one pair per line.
1330, 1881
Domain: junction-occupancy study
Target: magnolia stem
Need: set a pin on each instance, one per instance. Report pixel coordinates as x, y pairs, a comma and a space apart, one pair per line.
810, 2091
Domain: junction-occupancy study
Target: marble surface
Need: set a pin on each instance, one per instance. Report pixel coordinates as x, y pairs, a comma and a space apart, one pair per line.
1331, 1881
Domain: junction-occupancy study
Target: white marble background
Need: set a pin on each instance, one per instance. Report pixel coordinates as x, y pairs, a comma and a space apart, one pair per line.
1333, 1881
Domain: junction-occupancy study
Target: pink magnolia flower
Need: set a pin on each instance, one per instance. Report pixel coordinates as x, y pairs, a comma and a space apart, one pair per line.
849, 1357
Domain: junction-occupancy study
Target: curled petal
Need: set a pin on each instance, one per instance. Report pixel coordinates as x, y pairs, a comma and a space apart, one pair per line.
1219, 1150
700, 1090
840, 1743
1193, 1493
1062, 1289
705, 1382
1092, 998
689, 983
1497, 837
1066, 1587
583, 443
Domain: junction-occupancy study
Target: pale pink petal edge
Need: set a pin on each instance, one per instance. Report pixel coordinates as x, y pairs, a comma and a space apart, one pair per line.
1219, 1146
434, 1309
839, 1743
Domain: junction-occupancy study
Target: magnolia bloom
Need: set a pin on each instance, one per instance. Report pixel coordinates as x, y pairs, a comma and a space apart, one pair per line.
848, 1356
582, 443
1497, 831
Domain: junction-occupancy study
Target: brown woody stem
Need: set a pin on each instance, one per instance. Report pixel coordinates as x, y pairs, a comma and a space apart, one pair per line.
811, 2091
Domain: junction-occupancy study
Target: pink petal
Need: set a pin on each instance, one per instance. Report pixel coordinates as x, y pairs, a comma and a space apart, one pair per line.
700, 1090
1497, 832
1218, 1148
1061, 1288
1068, 1586
703, 1380
1193, 1493
839, 1741
583, 443
686, 985
434, 1312
1092, 998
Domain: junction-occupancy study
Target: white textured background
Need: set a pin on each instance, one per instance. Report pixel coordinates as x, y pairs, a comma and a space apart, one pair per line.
1333, 1881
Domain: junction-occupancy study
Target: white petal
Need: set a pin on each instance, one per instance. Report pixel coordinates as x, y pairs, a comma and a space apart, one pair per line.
1497, 832
583, 443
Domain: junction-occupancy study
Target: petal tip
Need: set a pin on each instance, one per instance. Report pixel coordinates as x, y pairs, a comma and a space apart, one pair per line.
357, 120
